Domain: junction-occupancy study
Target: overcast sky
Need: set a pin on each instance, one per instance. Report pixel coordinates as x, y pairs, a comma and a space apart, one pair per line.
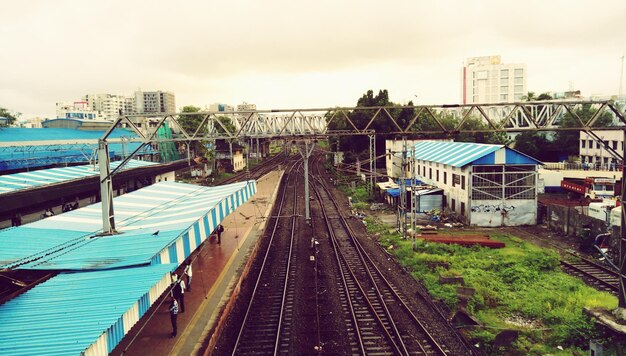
285, 54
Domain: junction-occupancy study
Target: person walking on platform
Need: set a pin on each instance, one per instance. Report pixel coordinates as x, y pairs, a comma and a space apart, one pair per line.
173, 316
189, 273
219, 229
178, 292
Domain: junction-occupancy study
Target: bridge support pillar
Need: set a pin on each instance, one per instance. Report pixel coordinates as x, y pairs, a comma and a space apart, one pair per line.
106, 189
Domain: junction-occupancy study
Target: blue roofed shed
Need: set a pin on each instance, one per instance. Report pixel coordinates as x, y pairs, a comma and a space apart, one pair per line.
484, 185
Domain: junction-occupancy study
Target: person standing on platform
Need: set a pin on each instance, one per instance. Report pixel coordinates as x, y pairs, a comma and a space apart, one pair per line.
178, 292
174, 315
189, 273
219, 229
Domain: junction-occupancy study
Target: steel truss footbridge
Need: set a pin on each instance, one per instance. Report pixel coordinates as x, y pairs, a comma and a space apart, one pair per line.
307, 125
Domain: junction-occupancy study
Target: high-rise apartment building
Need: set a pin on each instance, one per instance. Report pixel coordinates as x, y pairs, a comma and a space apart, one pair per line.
488, 80
150, 102
110, 105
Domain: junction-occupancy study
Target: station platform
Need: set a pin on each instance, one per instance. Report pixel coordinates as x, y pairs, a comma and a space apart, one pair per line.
215, 273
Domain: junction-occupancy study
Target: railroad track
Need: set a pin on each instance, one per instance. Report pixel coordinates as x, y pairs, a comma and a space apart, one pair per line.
381, 321
592, 273
267, 322
258, 171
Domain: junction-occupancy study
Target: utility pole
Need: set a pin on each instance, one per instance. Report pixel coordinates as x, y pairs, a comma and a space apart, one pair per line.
305, 152
413, 200
403, 204
621, 79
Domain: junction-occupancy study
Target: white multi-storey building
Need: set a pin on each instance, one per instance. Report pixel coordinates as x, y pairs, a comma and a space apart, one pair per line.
77, 110
246, 107
155, 102
488, 80
595, 153
110, 105
221, 107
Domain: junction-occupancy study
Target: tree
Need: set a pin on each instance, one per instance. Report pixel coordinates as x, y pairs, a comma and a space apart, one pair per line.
190, 124
530, 96
534, 144
7, 114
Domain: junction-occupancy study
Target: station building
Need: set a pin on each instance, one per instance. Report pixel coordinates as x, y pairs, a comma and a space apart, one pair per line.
484, 185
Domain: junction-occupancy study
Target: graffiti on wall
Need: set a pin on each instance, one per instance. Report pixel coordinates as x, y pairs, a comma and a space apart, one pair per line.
493, 208
503, 213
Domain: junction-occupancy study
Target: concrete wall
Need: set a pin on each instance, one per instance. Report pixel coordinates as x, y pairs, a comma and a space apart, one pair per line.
166, 177
570, 221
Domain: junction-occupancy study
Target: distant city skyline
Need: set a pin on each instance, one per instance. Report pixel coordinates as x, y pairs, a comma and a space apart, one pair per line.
291, 54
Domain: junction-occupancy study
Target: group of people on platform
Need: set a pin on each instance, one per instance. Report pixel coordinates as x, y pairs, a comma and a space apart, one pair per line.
177, 295
179, 287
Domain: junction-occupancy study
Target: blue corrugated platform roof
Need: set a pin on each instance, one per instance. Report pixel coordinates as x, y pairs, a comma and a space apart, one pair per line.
73, 312
27, 180
49, 146
460, 154
19, 134
106, 282
184, 215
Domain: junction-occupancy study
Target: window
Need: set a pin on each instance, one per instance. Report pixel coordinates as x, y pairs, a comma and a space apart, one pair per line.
519, 81
504, 81
430, 173
463, 182
481, 74
590, 143
462, 208
504, 73
437, 175
504, 97
519, 72
598, 144
456, 180
614, 145
445, 177
453, 205
582, 144
519, 88
424, 173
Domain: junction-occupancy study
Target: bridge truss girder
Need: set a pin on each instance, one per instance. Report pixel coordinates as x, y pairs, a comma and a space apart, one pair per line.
313, 123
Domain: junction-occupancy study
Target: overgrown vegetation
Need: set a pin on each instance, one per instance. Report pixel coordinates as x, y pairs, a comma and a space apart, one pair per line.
518, 287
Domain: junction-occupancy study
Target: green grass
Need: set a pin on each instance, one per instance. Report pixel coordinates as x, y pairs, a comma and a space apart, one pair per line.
520, 281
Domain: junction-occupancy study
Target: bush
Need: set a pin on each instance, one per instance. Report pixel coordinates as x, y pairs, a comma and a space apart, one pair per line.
520, 280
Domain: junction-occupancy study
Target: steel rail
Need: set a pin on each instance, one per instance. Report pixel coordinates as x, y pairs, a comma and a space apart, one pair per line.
240, 336
368, 261
398, 348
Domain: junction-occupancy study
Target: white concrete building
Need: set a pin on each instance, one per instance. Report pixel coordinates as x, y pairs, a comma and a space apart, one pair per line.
77, 110
155, 102
246, 107
110, 105
484, 185
221, 107
488, 80
594, 152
